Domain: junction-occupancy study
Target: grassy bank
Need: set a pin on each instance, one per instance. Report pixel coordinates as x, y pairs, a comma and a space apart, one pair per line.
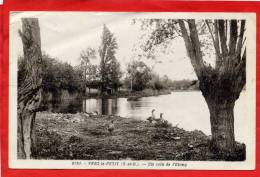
78, 136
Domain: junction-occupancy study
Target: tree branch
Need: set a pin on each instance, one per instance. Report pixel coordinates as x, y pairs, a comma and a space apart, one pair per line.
233, 37
193, 46
216, 44
218, 57
222, 36
196, 43
240, 39
241, 75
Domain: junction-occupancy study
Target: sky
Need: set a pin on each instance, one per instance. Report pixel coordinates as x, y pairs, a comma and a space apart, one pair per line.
65, 34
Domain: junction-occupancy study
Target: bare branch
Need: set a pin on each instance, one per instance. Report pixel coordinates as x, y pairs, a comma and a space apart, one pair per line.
233, 37
218, 55
240, 39
222, 36
241, 74
193, 51
186, 39
195, 41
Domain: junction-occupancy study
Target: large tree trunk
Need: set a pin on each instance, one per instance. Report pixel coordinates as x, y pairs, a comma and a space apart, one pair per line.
220, 86
222, 127
220, 91
29, 88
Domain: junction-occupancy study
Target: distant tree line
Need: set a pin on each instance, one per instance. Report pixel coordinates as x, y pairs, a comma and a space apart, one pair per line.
139, 76
59, 76
106, 77
185, 84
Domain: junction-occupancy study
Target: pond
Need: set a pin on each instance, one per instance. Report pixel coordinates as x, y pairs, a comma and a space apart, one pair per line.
188, 110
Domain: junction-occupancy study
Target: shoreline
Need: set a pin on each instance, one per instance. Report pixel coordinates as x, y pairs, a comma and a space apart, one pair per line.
129, 94
49, 97
138, 94
85, 137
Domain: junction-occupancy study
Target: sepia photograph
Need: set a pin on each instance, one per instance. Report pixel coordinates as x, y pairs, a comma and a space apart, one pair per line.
132, 90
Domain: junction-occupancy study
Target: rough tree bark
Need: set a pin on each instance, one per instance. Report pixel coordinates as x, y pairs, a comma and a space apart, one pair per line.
30, 90
220, 86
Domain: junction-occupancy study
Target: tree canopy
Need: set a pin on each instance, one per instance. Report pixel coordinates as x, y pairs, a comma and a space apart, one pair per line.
139, 75
110, 72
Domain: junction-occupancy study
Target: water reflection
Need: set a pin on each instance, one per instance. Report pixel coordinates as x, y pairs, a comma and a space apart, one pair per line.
64, 106
187, 109
107, 106
102, 106
119, 106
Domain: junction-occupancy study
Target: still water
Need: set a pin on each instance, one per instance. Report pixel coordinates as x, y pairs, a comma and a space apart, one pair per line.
187, 109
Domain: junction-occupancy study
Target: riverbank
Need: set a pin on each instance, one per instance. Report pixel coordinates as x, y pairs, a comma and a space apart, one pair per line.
129, 94
79, 136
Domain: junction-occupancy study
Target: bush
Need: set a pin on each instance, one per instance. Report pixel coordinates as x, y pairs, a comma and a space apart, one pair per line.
47, 144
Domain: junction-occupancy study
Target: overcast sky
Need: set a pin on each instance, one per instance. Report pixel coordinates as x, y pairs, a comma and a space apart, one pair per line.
65, 34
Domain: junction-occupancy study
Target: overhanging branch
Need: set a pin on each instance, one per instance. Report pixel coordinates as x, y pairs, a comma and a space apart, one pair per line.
192, 45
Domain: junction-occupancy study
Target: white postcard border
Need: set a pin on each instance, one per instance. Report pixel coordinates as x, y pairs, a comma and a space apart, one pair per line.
250, 130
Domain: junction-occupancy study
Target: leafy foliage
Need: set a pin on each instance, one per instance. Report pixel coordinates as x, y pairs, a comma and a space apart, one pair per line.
159, 38
87, 55
56, 75
139, 75
89, 71
110, 72
157, 82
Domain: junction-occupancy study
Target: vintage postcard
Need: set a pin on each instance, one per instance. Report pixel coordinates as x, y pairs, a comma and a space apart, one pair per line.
125, 90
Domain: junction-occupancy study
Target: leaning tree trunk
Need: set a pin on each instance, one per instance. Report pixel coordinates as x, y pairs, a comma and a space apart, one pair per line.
29, 90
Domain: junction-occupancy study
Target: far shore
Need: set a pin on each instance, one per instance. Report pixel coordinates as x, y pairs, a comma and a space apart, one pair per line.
137, 94
129, 94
